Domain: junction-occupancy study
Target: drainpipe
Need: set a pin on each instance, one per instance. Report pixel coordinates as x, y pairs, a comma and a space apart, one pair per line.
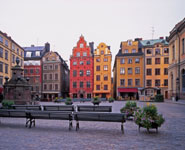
178, 88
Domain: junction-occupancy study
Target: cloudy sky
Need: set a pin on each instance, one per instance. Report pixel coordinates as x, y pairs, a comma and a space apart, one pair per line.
61, 22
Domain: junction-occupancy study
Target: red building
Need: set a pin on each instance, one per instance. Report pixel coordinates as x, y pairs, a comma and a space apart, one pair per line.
81, 70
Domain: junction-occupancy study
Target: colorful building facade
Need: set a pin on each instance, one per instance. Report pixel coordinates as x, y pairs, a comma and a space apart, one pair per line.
102, 71
55, 80
156, 67
176, 75
81, 70
128, 71
9, 52
33, 67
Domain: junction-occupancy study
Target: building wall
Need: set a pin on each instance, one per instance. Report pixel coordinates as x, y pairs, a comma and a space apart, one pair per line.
78, 62
14, 51
102, 58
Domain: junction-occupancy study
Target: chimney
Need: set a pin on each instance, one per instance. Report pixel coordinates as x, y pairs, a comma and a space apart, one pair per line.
108, 47
47, 47
138, 39
91, 44
161, 37
32, 45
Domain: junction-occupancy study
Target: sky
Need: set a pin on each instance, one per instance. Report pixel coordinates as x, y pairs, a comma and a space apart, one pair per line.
62, 22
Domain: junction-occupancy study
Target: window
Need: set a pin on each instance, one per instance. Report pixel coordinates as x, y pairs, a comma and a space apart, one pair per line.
13, 47
129, 70
56, 76
122, 61
25, 71
74, 95
6, 43
165, 71
149, 72
149, 61
28, 54
97, 59
45, 76
1, 80
88, 95
157, 82
81, 73
74, 73
173, 50
1, 52
166, 60
31, 71
88, 72
6, 68
88, 84
1, 39
137, 82
102, 52
51, 67
45, 87
126, 50
56, 86
81, 84
183, 46
105, 67
37, 53
137, 60
134, 51
105, 77
157, 71
45, 67
50, 76
122, 70
56, 67
129, 43
105, 59
37, 71
157, 60
122, 82
81, 62
97, 68
105, 87
129, 82
74, 85
149, 51
97, 77
166, 50
88, 62
137, 70
84, 53
129, 61
1, 67
148, 82
50, 86
18, 51
22, 54
6, 54
36, 79
78, 54
157, 51
81, 45
97, 87
165, 82
13, 58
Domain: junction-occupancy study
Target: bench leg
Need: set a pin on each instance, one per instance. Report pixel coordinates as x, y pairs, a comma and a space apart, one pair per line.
70, 124
27, 121
157, 130
77, 125
122, 128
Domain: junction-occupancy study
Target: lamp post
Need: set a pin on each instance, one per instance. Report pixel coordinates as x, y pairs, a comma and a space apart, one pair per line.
177, 88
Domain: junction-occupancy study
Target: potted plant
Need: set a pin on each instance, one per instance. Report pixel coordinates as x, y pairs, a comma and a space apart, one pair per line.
96, 101
111, 100
68, 101
148, 118
7, 104
129, 109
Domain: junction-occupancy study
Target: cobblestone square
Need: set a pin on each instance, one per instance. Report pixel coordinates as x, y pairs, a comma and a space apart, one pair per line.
54, 134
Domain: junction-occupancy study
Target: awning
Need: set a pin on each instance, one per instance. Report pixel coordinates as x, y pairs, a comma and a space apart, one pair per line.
125, 90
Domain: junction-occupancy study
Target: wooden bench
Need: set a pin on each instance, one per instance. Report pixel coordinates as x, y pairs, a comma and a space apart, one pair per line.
58, 108
99, 116
53, 115
89, 108
27, 107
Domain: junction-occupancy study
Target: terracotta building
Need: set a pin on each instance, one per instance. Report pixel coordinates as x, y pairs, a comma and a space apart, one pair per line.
176, 70
33, 67
81, 70
128, 70
9, 52
102, 71
55, 77
156, 67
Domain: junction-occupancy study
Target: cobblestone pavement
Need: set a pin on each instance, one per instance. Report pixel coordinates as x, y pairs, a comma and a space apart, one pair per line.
54, 134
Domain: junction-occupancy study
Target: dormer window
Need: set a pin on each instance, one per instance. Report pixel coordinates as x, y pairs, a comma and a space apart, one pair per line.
81, 45
102, 52
37, 53
134, 51
126, 50
28, 54
129, 42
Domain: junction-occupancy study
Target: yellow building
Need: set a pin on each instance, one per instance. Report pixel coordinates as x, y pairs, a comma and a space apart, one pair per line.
128, 71
176, 76
9, 52
102, 71
156, 66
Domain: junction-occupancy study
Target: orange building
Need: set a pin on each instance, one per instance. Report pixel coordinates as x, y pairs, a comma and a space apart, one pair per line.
129, 71
102, 71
